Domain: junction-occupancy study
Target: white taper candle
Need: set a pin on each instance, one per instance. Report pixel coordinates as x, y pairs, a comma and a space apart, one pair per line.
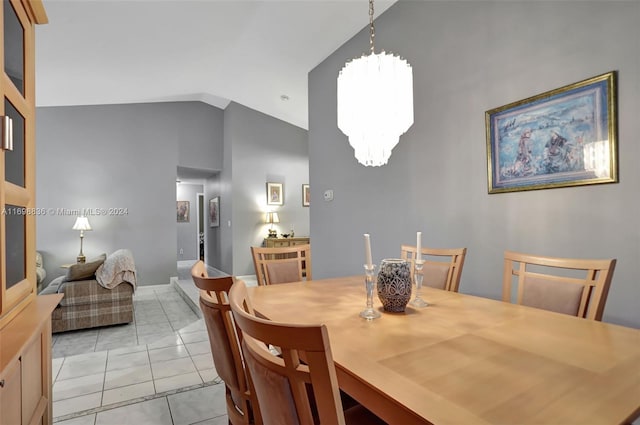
367, 249
419, 246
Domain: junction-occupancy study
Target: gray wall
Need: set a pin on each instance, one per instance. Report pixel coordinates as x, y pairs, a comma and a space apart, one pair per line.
188, 232
263, 149
119, 156
467, 58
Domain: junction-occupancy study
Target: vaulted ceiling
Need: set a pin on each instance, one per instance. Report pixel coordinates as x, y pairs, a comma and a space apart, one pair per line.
256, 53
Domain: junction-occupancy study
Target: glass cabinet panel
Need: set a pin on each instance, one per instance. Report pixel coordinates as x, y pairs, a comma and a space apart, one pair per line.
14, 159
15, 245
13, 47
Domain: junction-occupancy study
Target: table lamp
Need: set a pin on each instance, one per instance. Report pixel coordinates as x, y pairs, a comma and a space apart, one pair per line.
272, 217
82, 224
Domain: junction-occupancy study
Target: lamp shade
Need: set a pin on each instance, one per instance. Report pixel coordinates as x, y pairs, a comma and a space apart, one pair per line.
375, 105
271, 217
82, 223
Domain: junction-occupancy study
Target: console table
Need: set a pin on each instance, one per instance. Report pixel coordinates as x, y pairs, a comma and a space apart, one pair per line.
280, 242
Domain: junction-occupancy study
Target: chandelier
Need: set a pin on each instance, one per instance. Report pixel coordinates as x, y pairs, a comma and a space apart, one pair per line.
375, 102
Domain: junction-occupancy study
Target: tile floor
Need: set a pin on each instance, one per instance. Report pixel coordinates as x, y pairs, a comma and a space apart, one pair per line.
156, 370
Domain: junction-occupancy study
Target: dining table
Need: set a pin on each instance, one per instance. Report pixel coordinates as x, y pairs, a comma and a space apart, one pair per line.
467, 359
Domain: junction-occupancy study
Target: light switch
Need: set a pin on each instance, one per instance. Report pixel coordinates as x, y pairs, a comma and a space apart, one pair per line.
328, 195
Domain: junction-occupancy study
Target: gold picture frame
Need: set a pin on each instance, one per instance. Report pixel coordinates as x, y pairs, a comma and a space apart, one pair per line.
275, 194
306, 195
563, 137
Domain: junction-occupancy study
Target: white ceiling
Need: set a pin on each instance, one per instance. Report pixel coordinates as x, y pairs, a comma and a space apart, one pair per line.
250, 52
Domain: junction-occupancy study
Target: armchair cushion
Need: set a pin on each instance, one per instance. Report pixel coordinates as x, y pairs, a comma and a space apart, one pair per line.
41, 273
82, 271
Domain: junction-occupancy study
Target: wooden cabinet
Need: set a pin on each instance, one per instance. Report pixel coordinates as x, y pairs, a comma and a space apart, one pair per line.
25, 319
25, 364
17, 155
279, 242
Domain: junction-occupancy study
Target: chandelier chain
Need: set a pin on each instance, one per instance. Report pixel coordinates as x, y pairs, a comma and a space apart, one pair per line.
372, 30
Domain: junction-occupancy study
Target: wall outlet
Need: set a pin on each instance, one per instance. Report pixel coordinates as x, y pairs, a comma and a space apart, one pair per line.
181, 251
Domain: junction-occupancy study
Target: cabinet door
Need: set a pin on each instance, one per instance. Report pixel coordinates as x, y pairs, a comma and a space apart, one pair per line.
31, 374
10, 395
17, 159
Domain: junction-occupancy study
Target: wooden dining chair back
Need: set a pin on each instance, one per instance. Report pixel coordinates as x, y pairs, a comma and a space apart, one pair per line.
442, 267
224, 340
578, 287
282, 264
299, 384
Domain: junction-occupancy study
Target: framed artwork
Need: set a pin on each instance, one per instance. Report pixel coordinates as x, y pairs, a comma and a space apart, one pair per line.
183, 211
306, 195
564, 137
275, 194
214, 212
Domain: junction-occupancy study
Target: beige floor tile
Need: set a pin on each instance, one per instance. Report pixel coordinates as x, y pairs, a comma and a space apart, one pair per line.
128, 376
203, 361
197, 405
168, 353
167, 341
129, 392
76, 387
123, 361
56, 364
201, 347
177, 381
209, 375
196, 336
76, 366
76, 404
172, 368
82, 420
151, 412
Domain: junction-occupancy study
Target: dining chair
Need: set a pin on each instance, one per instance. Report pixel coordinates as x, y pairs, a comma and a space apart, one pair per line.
578, 287
282, 264
300, 385
442, 267
224, 342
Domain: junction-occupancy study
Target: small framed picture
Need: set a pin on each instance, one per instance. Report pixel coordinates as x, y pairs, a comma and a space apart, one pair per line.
182, 208
275, 194
214, 212
306, 195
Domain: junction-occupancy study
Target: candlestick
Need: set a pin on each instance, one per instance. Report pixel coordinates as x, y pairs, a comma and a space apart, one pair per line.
417, 276
369, 313
367, 249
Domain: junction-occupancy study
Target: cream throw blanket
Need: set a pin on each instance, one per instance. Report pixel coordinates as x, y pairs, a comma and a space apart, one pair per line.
117, 268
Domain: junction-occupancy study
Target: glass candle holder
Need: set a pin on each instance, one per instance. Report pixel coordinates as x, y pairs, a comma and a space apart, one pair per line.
417, 276
369, 313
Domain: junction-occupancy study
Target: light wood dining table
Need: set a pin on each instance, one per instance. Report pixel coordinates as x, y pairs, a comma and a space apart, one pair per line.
467, 359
